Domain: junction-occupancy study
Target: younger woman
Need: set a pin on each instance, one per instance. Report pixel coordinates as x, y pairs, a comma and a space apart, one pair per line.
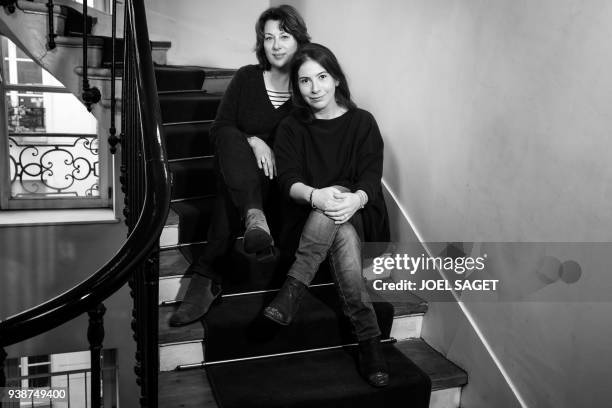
329, 156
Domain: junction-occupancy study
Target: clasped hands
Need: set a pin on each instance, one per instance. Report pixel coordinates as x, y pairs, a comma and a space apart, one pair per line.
335, 204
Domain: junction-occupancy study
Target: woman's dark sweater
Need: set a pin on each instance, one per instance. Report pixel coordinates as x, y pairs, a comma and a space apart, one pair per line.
347, 151
246, 108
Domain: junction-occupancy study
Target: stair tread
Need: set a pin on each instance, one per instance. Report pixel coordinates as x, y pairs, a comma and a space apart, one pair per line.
443, 372
193, 178
195, 331
198, 211
187, 140
236, 328
185, 106
167, 334
191, 388
179, 77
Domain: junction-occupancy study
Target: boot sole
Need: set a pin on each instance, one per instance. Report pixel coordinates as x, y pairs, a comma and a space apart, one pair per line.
272, 317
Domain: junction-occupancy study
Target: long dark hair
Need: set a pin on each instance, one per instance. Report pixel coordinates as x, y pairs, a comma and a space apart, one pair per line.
324, 57
290, 21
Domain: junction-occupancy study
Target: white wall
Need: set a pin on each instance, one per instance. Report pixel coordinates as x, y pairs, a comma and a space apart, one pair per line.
496, 119
214, 33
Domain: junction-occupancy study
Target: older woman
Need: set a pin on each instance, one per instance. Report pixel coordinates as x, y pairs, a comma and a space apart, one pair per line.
330, 156
255, 101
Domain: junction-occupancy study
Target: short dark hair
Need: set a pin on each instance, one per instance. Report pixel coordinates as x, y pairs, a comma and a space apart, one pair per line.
324, 57
290, 21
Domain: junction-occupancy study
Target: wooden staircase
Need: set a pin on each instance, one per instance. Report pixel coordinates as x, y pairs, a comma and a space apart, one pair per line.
182, 381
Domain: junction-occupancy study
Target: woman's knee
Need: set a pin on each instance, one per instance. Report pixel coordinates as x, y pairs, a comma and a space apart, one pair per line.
347, 241
348, 235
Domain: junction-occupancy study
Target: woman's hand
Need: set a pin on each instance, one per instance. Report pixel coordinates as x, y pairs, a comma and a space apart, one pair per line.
324, 198
343, 207
264, 156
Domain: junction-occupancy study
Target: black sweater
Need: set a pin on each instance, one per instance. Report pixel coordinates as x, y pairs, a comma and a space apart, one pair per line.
246, 108
347, 151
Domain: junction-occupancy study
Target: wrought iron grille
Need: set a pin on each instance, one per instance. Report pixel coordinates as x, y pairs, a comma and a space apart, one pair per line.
53, 165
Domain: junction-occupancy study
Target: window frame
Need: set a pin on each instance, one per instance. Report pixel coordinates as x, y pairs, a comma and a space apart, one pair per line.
105, 167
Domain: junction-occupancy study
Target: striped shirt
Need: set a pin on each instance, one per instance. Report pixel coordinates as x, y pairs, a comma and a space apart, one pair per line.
278, 98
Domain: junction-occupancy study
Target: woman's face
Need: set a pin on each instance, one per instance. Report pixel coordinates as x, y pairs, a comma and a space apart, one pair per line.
278, 45
318, 88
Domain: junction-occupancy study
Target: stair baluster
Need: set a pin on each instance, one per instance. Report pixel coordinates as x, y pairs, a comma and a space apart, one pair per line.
112, 138
144, 285
90, 95
52, 35
95, 336
2, 375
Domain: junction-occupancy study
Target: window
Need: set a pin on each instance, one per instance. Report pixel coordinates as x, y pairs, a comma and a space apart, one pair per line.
51, 154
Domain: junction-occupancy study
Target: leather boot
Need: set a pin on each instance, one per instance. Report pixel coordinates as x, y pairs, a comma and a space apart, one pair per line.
372, 364
201, 294
287, 301
257, 233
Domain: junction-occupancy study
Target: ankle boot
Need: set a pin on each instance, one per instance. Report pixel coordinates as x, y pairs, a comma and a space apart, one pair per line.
201, 294
257, 233
287, 301
372, 364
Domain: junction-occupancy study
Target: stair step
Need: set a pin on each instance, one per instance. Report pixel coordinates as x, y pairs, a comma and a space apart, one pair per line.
74, 22
217, 79
170, 77
407, 319
197, 214
446, 374
193, 178
191, 388
188, 139
238, 328
188, 106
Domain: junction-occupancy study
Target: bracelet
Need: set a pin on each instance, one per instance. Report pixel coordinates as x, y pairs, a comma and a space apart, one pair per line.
310, 199
363, 198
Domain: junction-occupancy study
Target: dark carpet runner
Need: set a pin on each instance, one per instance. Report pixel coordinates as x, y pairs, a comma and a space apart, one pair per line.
235, 328
323, 379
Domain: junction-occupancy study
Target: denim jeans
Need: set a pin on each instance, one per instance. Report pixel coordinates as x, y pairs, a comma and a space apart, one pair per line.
322, 238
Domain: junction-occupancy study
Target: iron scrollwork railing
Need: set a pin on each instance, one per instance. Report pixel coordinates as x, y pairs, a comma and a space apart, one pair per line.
146, 184
66, 166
